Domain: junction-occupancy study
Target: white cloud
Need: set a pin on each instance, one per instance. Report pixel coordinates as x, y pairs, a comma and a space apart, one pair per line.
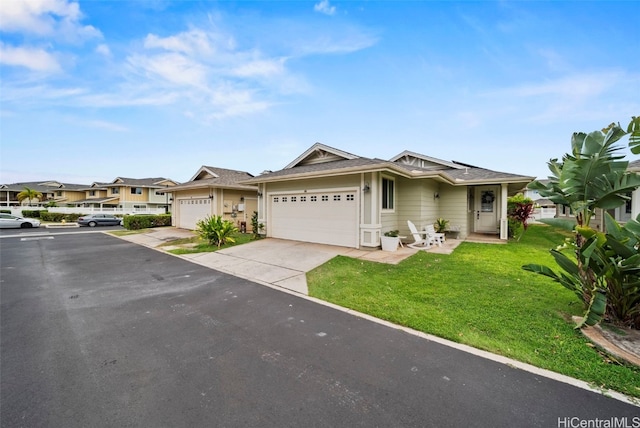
597, 96
104, 50
45, 18
173, 68
101, 124
265, 68
324, 7
32, 58
194, 42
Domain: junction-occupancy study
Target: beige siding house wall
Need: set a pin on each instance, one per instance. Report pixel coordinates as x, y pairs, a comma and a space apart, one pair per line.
424, 188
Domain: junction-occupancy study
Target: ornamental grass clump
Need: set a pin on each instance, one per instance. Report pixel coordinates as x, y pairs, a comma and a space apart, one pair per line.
216, 231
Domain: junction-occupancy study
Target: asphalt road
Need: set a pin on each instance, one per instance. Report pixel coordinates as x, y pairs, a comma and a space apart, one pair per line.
99, 332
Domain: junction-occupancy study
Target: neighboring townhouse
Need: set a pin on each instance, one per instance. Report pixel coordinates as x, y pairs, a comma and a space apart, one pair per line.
62, 194
214, 191
330, 196
134, 194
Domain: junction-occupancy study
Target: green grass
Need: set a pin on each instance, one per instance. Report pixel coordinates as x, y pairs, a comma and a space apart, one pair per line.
202, 246
480, 296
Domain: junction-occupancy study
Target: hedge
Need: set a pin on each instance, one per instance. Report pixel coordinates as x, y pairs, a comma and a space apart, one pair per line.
136, 221
5, 211
58, 217
32, 213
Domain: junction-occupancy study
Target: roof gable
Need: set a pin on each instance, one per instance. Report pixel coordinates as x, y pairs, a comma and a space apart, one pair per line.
204, 173
320, 153
423, 162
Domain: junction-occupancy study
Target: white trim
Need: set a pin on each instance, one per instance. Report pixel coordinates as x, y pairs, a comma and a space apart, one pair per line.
320, 146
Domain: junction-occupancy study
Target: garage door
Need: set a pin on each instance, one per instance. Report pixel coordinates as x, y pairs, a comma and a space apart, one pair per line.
323, 217
192, 210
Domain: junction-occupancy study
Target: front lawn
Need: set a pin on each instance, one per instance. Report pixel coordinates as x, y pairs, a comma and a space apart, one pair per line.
480, 296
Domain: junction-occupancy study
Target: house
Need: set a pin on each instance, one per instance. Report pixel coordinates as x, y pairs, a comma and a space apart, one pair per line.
131, 194
214, 191
534, 194
52, 191
329, 196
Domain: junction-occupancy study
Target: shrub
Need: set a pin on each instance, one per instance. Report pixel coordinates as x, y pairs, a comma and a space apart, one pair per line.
5, 211
59, 217
136, 221
216, 230
32, 213
519, 209
256, 226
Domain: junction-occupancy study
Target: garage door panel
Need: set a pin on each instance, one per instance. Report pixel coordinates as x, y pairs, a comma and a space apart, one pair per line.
327, 218
193, 210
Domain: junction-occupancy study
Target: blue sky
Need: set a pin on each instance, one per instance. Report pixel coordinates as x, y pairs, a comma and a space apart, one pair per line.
93, 90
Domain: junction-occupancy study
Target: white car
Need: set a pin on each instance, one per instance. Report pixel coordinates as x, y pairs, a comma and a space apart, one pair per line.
8, 221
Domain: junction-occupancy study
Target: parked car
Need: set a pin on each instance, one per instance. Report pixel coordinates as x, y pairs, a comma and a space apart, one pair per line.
93, 220
8, 221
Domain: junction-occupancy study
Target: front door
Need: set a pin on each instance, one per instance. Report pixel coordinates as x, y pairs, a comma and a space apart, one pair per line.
486, 218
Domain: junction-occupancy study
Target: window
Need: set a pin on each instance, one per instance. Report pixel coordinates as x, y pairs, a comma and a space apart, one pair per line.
627, 204
303, 199
284, 199
276, 199
314, 199
336, 197
325, 198
136, 190
115, 190
59, 193
294, 199
350, 197
387, 193
92, 192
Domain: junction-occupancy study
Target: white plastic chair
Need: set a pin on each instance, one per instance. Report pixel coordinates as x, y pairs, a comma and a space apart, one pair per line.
421, 238
438, 237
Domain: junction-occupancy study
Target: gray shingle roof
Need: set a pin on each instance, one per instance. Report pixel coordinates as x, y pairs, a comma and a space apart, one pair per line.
227, 178
318, 168
40, 187
142, 182
453, 175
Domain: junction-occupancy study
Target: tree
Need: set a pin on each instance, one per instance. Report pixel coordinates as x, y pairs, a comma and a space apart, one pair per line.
29, 194
606, 272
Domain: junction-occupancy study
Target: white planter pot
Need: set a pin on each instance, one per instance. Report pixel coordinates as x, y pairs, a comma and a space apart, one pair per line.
390, 243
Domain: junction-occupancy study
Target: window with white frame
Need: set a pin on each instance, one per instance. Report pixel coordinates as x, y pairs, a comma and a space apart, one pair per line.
388, 193
136, 190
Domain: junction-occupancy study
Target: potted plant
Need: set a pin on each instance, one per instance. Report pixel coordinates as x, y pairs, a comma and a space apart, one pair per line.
390, 241
441, 225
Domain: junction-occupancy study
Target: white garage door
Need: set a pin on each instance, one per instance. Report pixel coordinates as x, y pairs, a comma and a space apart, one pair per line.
323, 217
192, 210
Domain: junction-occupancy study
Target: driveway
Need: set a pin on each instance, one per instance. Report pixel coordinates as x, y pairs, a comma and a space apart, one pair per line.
96, 331
270, 261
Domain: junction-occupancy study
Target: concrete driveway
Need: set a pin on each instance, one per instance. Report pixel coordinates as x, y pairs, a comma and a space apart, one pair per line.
270, 261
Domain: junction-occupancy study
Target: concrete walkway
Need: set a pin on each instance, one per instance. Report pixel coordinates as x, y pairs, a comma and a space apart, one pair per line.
271, 261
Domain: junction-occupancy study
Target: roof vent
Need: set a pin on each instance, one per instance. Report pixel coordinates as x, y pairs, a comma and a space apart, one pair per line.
466, 171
